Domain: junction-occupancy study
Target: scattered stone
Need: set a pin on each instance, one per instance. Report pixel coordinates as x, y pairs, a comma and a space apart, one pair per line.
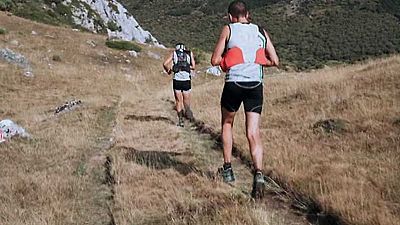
9, 129
13, 57
56, 58
330, 126
68, 106
214, 70
49, 36
34, 32
128, 61
153, 55
28, 74
76, 30
125, 69
17, 59
53, 5
91, 43
14, 42
133, 54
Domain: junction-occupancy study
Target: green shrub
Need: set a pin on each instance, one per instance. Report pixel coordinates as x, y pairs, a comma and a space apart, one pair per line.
148, 40
123, 45
6, 5
3, 30
113, 26
113, 7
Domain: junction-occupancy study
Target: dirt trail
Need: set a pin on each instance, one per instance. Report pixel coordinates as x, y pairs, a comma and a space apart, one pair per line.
167, 174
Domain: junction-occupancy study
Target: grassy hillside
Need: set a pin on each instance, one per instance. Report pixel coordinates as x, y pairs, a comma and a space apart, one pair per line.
308, 34
333, 134
119, 158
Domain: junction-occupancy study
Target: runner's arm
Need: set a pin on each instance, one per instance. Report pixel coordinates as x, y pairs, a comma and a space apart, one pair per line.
273, 59
168, 64
220, 47
192, 61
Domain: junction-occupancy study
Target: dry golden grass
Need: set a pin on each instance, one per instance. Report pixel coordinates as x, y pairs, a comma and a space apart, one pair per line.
354, 173
156, 174
158, 168
66, 173
56, 177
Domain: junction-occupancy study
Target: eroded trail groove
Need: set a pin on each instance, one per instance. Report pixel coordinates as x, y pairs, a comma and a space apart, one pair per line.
164, 174
278, 194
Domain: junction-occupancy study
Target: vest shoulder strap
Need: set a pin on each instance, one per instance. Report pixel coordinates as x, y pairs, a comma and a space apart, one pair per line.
261, 30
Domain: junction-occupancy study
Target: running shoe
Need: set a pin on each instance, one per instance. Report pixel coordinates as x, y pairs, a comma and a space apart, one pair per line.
227, 174
181, 123
258, 185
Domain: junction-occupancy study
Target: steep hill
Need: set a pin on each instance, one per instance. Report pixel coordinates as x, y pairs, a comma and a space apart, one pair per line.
307, 33
100, 16
330, 136
118, 157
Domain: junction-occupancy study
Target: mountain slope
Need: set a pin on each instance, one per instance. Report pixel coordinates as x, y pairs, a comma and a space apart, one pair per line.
307, 34
119, 158
333, 135
100, 16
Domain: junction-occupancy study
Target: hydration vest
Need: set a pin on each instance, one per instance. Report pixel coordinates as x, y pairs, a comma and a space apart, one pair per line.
181, 61
246, 44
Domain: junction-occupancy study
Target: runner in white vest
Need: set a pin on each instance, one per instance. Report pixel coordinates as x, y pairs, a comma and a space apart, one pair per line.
181, 63
242, 51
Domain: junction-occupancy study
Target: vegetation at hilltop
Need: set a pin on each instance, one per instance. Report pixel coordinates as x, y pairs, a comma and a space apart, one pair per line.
123, 45
307, 34
49, 11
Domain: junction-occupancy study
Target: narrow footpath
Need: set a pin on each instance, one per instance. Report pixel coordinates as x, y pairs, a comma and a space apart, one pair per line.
164, 174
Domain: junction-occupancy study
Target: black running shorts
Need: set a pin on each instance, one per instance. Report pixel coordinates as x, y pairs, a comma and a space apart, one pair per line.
250, 93
178, 85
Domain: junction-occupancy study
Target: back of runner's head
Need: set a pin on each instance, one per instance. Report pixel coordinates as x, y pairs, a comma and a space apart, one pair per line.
180, 46
237, 9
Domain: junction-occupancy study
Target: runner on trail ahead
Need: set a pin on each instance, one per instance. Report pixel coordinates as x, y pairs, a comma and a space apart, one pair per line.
242, 50
181, 63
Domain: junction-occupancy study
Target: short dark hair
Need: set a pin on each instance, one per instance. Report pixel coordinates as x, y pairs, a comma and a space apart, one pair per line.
237, 9
180, 45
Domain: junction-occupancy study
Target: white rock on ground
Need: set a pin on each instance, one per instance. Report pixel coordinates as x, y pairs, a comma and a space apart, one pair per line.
91, 43
17, 59
9, 129
133, 54
110, 11
214, 70
14, 42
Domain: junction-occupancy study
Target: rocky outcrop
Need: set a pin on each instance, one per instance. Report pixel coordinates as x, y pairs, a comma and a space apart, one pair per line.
17, 59
108, 16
